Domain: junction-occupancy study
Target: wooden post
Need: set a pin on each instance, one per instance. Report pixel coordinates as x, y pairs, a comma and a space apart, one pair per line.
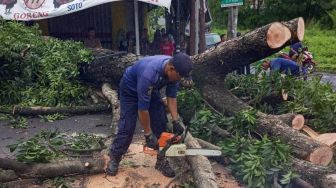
202, 45
197, 26
192, 43
232, 22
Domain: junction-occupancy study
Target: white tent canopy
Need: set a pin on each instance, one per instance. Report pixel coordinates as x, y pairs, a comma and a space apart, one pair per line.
41, 9
27, 10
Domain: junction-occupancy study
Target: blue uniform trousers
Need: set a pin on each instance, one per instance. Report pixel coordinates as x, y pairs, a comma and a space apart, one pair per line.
128, 118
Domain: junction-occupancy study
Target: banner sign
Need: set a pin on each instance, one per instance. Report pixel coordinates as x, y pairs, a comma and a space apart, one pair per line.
231, 3
42, 9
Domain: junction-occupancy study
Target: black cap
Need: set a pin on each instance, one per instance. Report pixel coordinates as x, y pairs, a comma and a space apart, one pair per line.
183, 64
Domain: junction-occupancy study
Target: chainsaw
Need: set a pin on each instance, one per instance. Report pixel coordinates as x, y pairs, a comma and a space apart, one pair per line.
172, 145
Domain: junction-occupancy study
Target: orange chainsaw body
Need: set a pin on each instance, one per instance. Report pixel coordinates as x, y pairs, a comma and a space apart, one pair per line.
165, 136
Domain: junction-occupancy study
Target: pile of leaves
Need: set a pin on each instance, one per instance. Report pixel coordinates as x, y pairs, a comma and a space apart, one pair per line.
188, 101
36, 70
50, 145
315, 100
261, 162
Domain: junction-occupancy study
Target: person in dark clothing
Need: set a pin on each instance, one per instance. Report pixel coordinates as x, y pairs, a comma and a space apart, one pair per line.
282, 65
140, 98
295, 49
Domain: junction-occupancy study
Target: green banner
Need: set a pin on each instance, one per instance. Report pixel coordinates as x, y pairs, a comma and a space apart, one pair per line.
231, 3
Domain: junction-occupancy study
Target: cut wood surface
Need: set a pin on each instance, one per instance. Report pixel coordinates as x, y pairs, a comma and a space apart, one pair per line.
297, 28
39, 110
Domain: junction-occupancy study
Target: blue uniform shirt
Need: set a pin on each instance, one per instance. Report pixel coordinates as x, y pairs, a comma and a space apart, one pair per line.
285, 65
147, 75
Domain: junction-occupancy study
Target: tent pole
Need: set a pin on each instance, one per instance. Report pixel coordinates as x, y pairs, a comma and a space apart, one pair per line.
136, 21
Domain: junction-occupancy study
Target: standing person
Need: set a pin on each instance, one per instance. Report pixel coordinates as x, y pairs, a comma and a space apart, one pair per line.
144, 42
156, 42
166, 46
140, 98
92, 41
282, 65
163, 32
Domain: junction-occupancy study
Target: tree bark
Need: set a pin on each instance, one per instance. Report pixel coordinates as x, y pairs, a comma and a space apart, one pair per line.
253, 46
304, 147
49, 170
297, 28
200, 165
39, 110
112, 97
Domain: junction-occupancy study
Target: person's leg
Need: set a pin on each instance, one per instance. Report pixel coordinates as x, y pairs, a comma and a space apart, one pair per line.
159, 121
158, 116
126, 127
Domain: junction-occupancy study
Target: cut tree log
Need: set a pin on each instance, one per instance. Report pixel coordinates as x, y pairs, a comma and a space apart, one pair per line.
297, 28
112, 97
39, 110
303, 146
200, 165
49, 170
327, 138
251, 47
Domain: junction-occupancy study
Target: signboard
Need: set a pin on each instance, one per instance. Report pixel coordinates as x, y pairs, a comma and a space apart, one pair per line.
42, 9
231, 3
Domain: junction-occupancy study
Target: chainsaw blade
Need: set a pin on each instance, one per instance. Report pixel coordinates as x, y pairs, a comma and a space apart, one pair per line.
203, 152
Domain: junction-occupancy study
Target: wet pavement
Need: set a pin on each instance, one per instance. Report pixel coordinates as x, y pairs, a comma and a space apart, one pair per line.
98, 124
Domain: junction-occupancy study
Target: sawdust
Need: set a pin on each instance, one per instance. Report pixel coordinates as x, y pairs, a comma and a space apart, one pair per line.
137, 170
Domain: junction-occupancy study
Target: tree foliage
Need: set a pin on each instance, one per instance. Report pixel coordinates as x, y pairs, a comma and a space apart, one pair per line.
39, 71
260, 12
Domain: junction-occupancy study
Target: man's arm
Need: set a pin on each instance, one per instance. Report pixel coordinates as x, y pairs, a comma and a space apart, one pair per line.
145, 121
172, 106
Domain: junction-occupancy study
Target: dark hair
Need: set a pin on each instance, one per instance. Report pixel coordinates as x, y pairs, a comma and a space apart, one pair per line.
222, 35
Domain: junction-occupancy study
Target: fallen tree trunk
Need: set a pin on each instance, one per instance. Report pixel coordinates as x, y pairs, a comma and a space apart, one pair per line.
200, 165
253, 46
304, 147
297, 28
49, 170
39, 110
112, 97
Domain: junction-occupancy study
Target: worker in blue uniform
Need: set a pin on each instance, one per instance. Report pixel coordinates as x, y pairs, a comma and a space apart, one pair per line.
140, 98
282, 65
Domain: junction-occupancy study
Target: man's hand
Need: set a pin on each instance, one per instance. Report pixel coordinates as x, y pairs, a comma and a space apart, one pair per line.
177, 128
151, 141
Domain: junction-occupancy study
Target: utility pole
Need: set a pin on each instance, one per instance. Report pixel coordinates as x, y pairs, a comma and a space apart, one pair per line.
192, 41
197, 26
232, 22
202, 45
178, 34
